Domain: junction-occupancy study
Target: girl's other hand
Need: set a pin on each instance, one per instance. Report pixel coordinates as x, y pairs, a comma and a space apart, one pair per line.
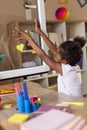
20, 35
37, 26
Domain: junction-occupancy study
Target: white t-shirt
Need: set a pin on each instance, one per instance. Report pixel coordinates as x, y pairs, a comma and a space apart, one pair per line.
68, 82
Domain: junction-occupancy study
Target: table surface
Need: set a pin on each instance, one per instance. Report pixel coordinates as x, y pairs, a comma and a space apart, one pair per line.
47, 97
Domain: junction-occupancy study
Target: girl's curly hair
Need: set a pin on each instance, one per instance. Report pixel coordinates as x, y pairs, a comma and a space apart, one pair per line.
72, 50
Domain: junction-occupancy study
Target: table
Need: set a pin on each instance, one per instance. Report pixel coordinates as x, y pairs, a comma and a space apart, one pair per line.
47, 97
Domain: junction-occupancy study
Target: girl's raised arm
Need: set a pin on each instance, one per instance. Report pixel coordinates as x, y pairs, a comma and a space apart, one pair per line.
20, 35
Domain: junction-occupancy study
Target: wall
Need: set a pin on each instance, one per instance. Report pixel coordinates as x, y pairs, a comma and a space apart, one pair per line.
76, 11
13, 9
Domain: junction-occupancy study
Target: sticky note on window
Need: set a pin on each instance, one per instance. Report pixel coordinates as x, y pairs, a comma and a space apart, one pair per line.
63, 2
20, 47
33, 52
18, 118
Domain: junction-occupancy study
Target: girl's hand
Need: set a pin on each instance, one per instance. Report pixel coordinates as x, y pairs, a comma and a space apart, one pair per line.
37, 27
20, 35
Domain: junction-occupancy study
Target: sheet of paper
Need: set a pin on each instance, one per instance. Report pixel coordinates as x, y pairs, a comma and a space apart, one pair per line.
50, 120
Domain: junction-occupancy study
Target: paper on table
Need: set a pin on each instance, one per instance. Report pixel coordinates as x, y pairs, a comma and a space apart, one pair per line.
51, 120
44, 108
75, 124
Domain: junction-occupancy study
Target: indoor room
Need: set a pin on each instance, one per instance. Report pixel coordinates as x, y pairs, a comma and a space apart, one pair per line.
43, 65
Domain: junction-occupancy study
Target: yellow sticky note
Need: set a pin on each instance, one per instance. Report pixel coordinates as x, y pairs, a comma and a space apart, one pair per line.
33, 52
20, 47
63, 2
6, 105
18, 118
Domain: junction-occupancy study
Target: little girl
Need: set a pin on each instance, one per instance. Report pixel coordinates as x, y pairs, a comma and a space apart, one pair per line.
67, 54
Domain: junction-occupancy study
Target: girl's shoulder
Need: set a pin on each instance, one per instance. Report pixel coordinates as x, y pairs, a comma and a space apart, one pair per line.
67, 67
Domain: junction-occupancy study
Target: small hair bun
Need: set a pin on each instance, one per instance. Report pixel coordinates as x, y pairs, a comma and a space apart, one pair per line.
81, 40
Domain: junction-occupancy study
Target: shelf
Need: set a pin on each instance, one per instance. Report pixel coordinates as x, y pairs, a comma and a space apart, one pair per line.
52, 75
25, 51
53, 87
45, 80
42, 77
30, 51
